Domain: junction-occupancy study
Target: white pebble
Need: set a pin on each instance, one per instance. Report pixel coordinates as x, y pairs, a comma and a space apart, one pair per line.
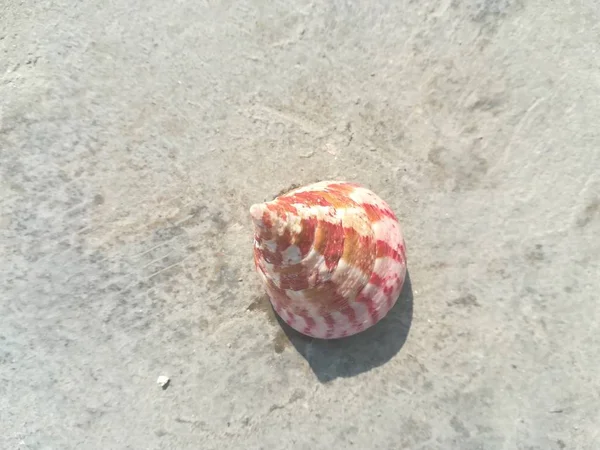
163, 381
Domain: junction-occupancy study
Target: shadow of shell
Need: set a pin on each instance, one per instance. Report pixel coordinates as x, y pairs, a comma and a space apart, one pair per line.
353, 355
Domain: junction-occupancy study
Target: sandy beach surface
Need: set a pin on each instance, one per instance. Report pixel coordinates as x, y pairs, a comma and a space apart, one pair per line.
135, 135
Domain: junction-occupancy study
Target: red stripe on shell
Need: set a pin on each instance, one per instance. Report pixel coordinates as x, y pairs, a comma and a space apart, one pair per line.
263, 231
334, 196
384, 250
378, 212
304, 239
373, 212
359, 250
310, 322
376, 280
349, 312
329, 242
277, 294
384, 210
294, 278
285, 205
370, 304
343, 188
330, 324
390, 298
274, 258
283, 240
325, 297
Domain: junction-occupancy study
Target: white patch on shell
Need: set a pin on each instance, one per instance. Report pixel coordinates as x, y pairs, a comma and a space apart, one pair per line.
357, 219
321, 213
342, 324
351, 213
283, 313
320, 329
364, 195
299, 299
299, 322
294, 223
270, 245
385, 267
297, 296
326, 214
256, 211
291, 255
388, 230
316, 262
269, 272
340, 321
370, 291
363, 319
349, 279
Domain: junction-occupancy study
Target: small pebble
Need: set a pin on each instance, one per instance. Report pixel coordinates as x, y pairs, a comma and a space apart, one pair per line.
163, 381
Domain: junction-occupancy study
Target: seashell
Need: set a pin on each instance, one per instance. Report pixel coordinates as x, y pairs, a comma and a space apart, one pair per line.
331, 256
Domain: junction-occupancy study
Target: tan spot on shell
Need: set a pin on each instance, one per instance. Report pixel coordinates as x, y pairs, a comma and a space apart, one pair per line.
358, 221
329, 242
374, 214
359, 251
293, 277
326, 297
305, 236
336, 200
342, 188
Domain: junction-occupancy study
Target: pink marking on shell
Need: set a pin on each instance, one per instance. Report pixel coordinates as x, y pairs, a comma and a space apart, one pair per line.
332, 257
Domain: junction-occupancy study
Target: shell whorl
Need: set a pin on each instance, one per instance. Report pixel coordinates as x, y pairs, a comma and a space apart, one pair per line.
331, 256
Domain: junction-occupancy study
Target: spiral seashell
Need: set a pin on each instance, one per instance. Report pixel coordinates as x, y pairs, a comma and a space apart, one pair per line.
331, 256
